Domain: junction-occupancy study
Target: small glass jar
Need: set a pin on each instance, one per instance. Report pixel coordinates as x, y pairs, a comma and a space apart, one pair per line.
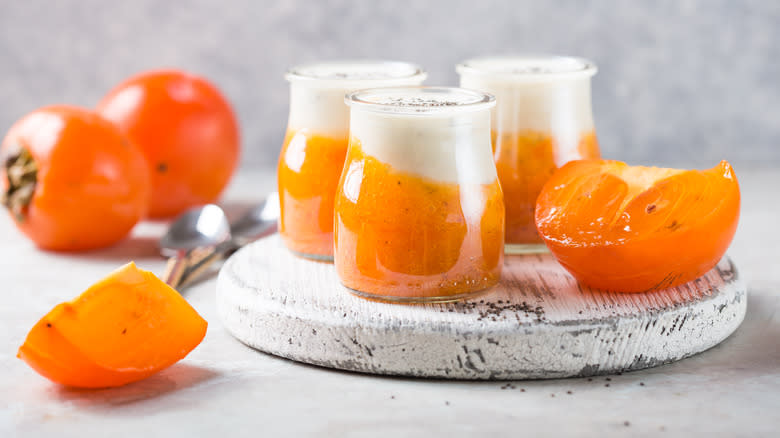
419, 210
315, 145
542, 120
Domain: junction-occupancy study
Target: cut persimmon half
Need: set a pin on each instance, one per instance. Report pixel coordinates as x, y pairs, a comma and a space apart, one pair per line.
124, 328
634, 229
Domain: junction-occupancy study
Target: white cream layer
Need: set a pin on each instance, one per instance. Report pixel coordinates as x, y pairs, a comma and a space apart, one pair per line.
558, 101
317, 91
320, 110
447, 148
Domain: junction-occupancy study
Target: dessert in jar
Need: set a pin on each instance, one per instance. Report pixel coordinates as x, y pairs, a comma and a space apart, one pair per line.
542, 119
315, 145
419, 212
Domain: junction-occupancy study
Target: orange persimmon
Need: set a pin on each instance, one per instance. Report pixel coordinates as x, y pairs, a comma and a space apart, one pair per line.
71, 180
124, 328
634, 229
187, 131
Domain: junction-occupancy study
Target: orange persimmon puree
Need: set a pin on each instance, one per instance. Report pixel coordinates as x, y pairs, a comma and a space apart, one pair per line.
403, 235
525, 160
309, 169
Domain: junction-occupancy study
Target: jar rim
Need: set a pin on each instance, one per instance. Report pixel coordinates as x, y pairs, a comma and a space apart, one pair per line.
420, 100
529, 67
362, 73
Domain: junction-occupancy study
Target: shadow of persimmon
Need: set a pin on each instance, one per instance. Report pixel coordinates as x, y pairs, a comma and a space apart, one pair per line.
176, 378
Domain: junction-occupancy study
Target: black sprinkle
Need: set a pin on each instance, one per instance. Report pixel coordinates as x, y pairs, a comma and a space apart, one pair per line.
162, 167
608, 379
417, 102
626, 423
568, 392
48, 324
590, 379
124, 331
392, 397
607, 385
641, 383
500, 310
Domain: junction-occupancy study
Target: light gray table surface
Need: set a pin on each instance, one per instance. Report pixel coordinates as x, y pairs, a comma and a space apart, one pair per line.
224, 387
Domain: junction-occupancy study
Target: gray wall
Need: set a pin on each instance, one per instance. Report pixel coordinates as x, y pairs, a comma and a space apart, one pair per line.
681, 82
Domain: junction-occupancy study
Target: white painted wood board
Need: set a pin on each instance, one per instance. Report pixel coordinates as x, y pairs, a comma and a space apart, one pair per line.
537, 323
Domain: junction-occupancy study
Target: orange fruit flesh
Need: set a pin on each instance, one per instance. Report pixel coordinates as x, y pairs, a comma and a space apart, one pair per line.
403, 235
309, 169
638, 179
525, 161
636, 229
124, 328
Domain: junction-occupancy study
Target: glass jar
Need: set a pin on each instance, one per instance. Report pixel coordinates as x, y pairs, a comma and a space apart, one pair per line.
315, 145
542, 119
419, 210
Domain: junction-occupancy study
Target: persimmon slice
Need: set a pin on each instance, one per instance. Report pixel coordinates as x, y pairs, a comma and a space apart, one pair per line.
634, 229
124, 328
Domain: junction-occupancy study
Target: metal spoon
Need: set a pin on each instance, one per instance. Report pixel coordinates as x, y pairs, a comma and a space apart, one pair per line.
258, 222
199, 227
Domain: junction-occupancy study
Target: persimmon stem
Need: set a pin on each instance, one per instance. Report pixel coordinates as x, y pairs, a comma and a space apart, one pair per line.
21, 172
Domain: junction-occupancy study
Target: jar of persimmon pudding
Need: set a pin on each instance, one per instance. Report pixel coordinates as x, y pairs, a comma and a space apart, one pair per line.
419, 210
542, 120
315, 145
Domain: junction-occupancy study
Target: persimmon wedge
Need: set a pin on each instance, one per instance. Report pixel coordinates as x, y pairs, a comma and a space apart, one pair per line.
635, 229
124, 328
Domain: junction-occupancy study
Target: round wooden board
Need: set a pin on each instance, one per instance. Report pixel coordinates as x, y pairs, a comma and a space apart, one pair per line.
537, 323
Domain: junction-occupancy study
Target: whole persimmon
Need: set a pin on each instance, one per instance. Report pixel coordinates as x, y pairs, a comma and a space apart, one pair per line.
636, 229
187, 131
70, 180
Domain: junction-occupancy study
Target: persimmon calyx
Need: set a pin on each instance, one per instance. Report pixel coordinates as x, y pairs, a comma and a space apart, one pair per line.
21, 171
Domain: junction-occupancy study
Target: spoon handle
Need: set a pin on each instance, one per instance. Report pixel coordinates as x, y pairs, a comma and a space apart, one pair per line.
200, 263
174, 270
203, 258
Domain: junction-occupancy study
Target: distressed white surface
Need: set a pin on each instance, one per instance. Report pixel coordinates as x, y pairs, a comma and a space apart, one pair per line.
536, 323
226, 388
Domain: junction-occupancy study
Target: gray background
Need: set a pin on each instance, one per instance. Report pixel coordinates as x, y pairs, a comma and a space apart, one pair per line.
683, 83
